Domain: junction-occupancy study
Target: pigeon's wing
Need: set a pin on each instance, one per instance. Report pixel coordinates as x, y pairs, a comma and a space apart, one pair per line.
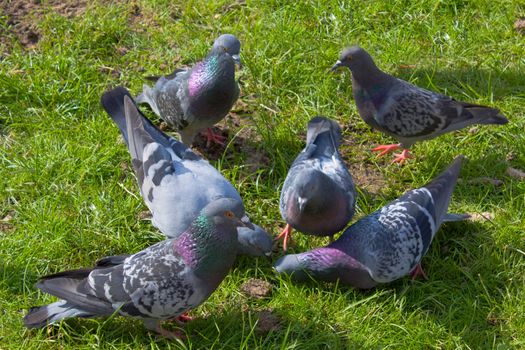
413, 112
160, 282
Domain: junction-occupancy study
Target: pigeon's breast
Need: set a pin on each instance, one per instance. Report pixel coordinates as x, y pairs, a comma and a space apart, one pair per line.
318, 220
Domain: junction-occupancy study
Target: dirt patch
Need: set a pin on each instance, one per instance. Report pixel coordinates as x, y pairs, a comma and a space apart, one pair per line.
6, 227
267, 321
365, 174
23, 16
519, 25
256, 288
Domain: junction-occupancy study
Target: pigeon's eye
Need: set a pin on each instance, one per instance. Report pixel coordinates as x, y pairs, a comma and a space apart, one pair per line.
229, 214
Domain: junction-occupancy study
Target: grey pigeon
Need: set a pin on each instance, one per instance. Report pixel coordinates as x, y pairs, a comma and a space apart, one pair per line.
404, 111
174, 181
385, 245
318, 194
159, 283
193, 99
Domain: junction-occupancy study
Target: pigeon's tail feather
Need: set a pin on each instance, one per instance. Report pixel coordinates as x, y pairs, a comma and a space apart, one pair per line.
148, 96
110, 261
450, 217
324, 133
41, 316
113, 103
441, 189
73, 286
485, 115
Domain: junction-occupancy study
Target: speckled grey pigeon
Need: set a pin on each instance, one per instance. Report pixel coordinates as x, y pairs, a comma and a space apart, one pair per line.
385, 245
318, 194
404, 111
174, 181
159, 283
194, 99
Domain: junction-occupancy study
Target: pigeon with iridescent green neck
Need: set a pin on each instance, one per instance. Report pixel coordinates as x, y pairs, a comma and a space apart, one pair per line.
385, 245
404, 111
159, 283
191, 100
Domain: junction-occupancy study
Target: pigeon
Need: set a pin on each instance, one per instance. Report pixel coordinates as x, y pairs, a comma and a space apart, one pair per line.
318, 196
174, 181
385, 245
190, 100
159, 283
404, 111
254, 242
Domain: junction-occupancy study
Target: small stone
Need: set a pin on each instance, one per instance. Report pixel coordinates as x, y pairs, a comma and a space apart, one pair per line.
256, 288
163, 126
144, 215
473, 130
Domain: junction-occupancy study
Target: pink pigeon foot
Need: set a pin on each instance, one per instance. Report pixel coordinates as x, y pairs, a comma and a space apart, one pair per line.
213, 137
418, 272
168, 334
401, 157
384, 149
286, 235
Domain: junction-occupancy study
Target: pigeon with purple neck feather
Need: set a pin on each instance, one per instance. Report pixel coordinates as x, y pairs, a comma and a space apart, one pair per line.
175, 182
385, 245
159, 283
318, 194
190, 100
404, 111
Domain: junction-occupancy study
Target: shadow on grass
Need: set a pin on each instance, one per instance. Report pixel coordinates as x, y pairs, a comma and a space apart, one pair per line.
227, 329
467, 80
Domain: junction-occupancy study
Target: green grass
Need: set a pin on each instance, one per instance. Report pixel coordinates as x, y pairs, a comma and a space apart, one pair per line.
64, 181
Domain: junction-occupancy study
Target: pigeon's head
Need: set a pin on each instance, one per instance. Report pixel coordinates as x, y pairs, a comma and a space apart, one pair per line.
230, 44
292, 266
227, 212
256, 242
355, 58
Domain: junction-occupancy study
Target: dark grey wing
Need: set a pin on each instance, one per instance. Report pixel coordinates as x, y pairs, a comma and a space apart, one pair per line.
412, 112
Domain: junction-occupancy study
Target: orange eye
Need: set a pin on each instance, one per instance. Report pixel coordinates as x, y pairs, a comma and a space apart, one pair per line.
229, 214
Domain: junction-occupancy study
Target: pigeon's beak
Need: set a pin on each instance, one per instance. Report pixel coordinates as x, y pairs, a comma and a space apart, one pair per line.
245, 221
336, 66
237, 60
302, 203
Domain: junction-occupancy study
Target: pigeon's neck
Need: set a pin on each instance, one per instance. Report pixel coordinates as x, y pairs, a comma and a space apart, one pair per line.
208, 250
331, 264
211, 76
369, 77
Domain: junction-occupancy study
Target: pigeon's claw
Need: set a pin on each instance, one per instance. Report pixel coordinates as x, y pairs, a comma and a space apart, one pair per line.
384, 149
418, 272
285, 235
401, 157
213, 137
